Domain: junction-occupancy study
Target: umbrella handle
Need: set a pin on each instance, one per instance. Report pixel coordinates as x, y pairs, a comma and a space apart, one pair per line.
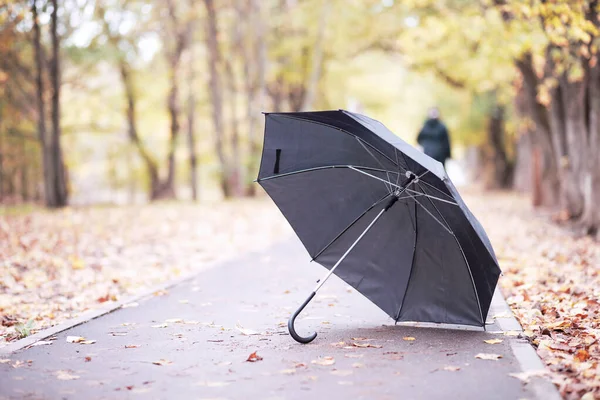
293, 333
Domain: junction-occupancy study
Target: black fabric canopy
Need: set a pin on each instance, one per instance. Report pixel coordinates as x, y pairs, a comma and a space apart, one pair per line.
331, 173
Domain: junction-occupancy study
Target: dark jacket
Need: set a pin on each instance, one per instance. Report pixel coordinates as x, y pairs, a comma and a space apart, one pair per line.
435, 140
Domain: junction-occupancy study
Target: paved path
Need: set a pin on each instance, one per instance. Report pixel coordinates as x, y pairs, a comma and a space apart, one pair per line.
259, 292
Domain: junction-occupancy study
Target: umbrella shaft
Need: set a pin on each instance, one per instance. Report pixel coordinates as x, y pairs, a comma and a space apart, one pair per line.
322, 281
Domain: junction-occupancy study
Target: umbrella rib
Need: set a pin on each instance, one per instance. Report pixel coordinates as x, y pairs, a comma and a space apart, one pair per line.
432, 216
350, 226
464, 258
400, 187
431, 197
379, 162
355, 167
441, 191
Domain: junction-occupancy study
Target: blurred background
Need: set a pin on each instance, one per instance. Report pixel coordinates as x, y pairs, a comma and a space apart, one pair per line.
126, 102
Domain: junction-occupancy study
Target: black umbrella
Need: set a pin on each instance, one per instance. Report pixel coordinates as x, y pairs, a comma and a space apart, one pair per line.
360, 198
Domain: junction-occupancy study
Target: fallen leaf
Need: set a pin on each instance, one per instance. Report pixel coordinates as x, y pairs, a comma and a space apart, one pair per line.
511, 333
132, 346
451, 368
88, 359
493, 341
300, 365
324, 361
75, 339
87, 342
254, 357
359, 339
341, 372
65, 376
288, 371
527, 375
366, 345
350, 355
582, 355
4, 361
173, 321
408, 338
488, 356
244, 331
161, 293
42, 343
160, 326
162, 362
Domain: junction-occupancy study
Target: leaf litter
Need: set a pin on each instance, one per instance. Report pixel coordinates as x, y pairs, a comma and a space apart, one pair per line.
551, 281
56, 265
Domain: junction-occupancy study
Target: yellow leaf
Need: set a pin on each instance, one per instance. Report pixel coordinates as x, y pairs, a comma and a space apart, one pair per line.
493, 341
408, 338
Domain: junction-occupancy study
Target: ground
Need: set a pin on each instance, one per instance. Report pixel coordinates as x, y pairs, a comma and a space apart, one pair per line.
59, 264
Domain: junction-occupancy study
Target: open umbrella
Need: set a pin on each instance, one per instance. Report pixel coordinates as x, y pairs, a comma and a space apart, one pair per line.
381, 215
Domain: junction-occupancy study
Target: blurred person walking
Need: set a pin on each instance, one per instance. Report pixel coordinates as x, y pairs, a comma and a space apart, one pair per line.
434, 138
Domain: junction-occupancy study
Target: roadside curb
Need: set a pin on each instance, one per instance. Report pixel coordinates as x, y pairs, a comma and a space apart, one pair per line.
525, 354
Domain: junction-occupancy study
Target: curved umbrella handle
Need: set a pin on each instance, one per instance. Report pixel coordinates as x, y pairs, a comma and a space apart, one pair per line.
293, 333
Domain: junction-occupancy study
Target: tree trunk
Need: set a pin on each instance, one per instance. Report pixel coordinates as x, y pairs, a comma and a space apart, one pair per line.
235, 176
502, 167
317, 58
550, 187
256, 93
576, 132
590, 217
59, 180
49, 192
214, 57
130, 111
191, 136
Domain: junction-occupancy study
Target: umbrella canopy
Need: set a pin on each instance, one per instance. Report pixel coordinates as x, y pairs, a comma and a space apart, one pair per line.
345, 182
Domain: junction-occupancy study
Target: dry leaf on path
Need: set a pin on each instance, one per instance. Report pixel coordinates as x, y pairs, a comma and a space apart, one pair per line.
65, 376
132, 346
367, 345
451, 368
488, 356
42, 343
408, 338
4, 360
288, 371
173, 321
341, 372
527, 375
493, 341
324, 361
160, 326
349, 355
245, 331
162, 362
254, 357
75, 339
